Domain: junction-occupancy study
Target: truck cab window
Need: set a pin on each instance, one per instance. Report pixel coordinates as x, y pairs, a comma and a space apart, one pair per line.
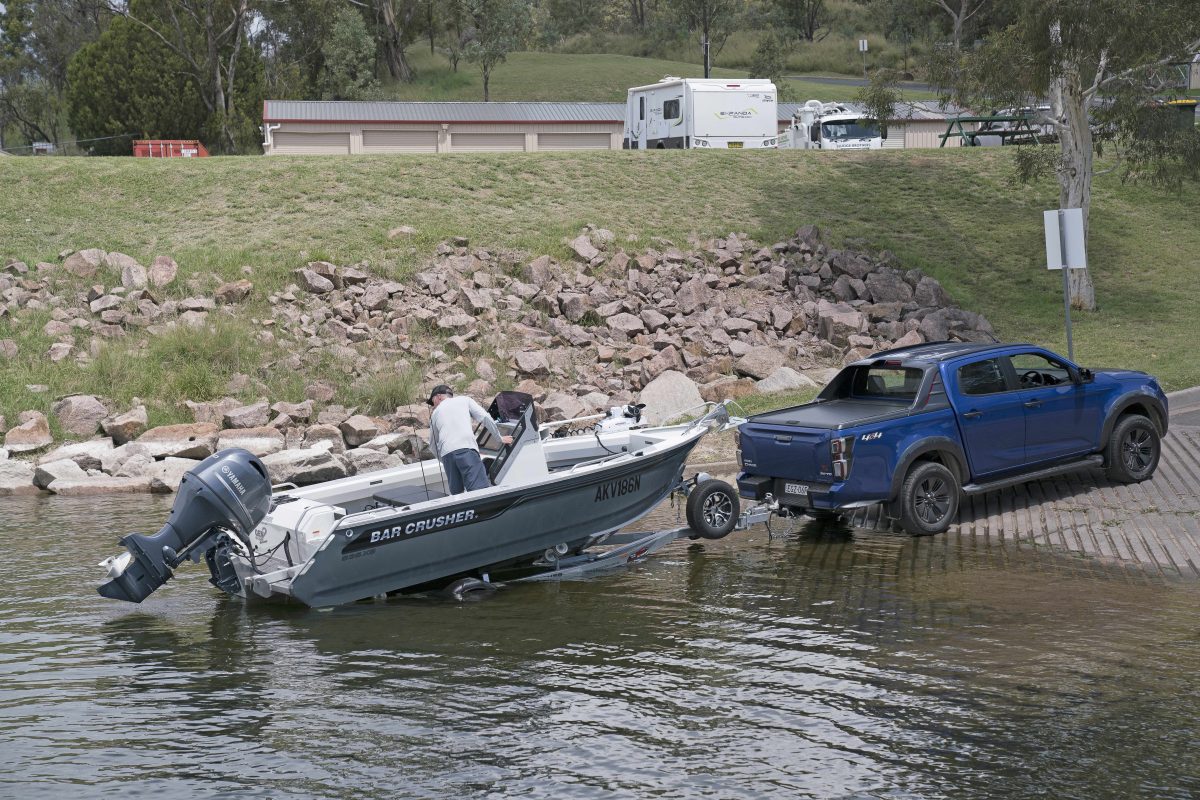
892, 383
982, 377
671, 109
1035, 369
641, 108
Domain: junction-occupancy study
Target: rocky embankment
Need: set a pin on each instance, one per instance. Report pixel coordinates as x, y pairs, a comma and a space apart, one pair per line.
669, 327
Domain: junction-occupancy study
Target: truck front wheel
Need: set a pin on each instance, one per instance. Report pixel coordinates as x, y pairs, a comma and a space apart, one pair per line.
1133, 450
929, 499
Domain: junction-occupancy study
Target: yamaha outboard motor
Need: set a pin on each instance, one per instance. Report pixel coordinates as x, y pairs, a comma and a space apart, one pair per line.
228, 491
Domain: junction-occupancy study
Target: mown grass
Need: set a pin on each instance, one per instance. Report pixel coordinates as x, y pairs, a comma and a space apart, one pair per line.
952, 213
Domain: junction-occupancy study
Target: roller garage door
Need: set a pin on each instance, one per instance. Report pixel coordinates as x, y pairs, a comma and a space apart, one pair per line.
574, 141
309, 143
895, 138
400, 141
483, 142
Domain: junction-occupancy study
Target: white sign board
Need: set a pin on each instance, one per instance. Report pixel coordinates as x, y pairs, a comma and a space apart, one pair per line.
1064, 239
862, 45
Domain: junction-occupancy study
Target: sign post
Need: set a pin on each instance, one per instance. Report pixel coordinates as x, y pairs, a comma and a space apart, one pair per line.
1065, 249
862, 48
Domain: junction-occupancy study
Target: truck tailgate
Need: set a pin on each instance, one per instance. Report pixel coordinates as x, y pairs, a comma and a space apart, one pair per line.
785, 451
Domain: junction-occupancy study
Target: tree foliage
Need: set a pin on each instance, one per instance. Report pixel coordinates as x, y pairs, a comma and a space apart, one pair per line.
497, 28
805, 18
713, 20
347, 72
1102, 66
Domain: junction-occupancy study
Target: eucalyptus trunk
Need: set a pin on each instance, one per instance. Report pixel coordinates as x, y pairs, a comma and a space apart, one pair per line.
1069, 106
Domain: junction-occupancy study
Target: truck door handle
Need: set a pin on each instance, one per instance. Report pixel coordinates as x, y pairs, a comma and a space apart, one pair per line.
1033, 403
973, 415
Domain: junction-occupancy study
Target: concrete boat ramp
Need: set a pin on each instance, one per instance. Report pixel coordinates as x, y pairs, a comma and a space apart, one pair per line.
1155, 524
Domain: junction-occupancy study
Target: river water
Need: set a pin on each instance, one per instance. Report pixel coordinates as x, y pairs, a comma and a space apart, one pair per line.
821, 664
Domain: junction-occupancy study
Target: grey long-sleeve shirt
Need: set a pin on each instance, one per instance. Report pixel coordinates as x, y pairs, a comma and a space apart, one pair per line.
450, 427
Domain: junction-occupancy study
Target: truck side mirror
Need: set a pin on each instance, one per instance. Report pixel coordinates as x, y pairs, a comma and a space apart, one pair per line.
815, 133
1084, 375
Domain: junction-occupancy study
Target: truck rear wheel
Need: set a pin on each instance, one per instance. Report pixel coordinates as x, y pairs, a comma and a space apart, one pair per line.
929, 499
1133, 449
712, 509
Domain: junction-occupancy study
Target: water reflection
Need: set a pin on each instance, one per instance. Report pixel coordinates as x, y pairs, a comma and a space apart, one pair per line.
826, 663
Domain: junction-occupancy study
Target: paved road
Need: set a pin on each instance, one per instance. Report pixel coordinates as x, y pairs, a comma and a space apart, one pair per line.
1185, 407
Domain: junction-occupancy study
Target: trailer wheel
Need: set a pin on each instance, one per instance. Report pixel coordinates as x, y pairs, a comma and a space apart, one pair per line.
468, 589
929, 499
712, 509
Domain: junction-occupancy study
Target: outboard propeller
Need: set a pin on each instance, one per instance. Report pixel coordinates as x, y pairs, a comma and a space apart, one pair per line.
226, 491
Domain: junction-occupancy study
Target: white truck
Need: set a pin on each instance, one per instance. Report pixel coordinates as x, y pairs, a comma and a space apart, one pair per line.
832, 126
686, 113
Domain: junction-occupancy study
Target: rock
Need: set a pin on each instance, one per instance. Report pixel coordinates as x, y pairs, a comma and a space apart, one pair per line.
312, 282
162, 271
785, 379
59, 351
363, 460
727, 388
85, 262
212, 413
261, 441
32, 434
692, 295
666, 359
79, 414
560, 405
330, 436
888, 286
300, 412
45, 474
909, 339
583, 248
126, 427
181, 441
234, 292
358, 430
104, 303
626, 323
104, 484
531, 362
251, 416
133, 276
303, 467
16, 479
401, 230
574, 306
668, 396
653, 319
385, 442
759, 362
836, 322
929, 293
111, 461
8, 349
88, 455
320, 391
375, 298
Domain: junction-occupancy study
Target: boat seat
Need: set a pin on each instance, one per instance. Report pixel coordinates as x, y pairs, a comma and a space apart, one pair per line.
406, 495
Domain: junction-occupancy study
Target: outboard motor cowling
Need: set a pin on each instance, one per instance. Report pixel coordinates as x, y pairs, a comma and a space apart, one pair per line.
226, 491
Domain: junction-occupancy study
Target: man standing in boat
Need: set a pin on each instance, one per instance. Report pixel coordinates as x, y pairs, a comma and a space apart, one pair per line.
452, 437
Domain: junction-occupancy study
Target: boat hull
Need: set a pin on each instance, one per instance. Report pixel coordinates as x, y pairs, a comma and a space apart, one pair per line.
473, 532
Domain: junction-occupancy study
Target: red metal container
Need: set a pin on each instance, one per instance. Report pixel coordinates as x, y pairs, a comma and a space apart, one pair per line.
168, 148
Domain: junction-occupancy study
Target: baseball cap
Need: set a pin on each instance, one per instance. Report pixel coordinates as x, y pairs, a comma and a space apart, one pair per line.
441, 388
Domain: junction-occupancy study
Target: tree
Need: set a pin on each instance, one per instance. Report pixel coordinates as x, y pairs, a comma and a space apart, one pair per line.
397, 30
960, 11
805, 17
712, 19
498, 28
292, 36
880, 97
1100, 63
768, 61
127, 85
347, 73
209, 37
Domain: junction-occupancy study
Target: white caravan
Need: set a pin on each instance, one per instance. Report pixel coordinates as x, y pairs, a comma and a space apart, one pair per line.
683, 113
832, 126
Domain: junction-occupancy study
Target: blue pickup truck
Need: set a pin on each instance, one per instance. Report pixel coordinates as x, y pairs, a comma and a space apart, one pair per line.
917, 428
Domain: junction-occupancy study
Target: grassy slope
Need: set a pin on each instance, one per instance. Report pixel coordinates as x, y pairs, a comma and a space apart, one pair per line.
951, 213
560, 76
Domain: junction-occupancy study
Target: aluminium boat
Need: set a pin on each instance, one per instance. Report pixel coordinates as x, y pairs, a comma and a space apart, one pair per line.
398, 530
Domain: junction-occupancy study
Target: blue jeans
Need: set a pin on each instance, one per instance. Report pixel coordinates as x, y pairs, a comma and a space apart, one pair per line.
465, 471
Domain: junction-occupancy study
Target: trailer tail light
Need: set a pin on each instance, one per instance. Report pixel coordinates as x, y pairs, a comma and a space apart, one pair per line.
841, 455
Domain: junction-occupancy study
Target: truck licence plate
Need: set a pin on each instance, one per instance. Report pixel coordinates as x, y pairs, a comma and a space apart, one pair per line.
735, 144
796, 488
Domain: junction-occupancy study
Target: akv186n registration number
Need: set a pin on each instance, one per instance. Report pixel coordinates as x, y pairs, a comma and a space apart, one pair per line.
795, 488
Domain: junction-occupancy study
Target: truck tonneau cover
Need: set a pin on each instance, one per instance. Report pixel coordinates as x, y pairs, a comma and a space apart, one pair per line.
833, 413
